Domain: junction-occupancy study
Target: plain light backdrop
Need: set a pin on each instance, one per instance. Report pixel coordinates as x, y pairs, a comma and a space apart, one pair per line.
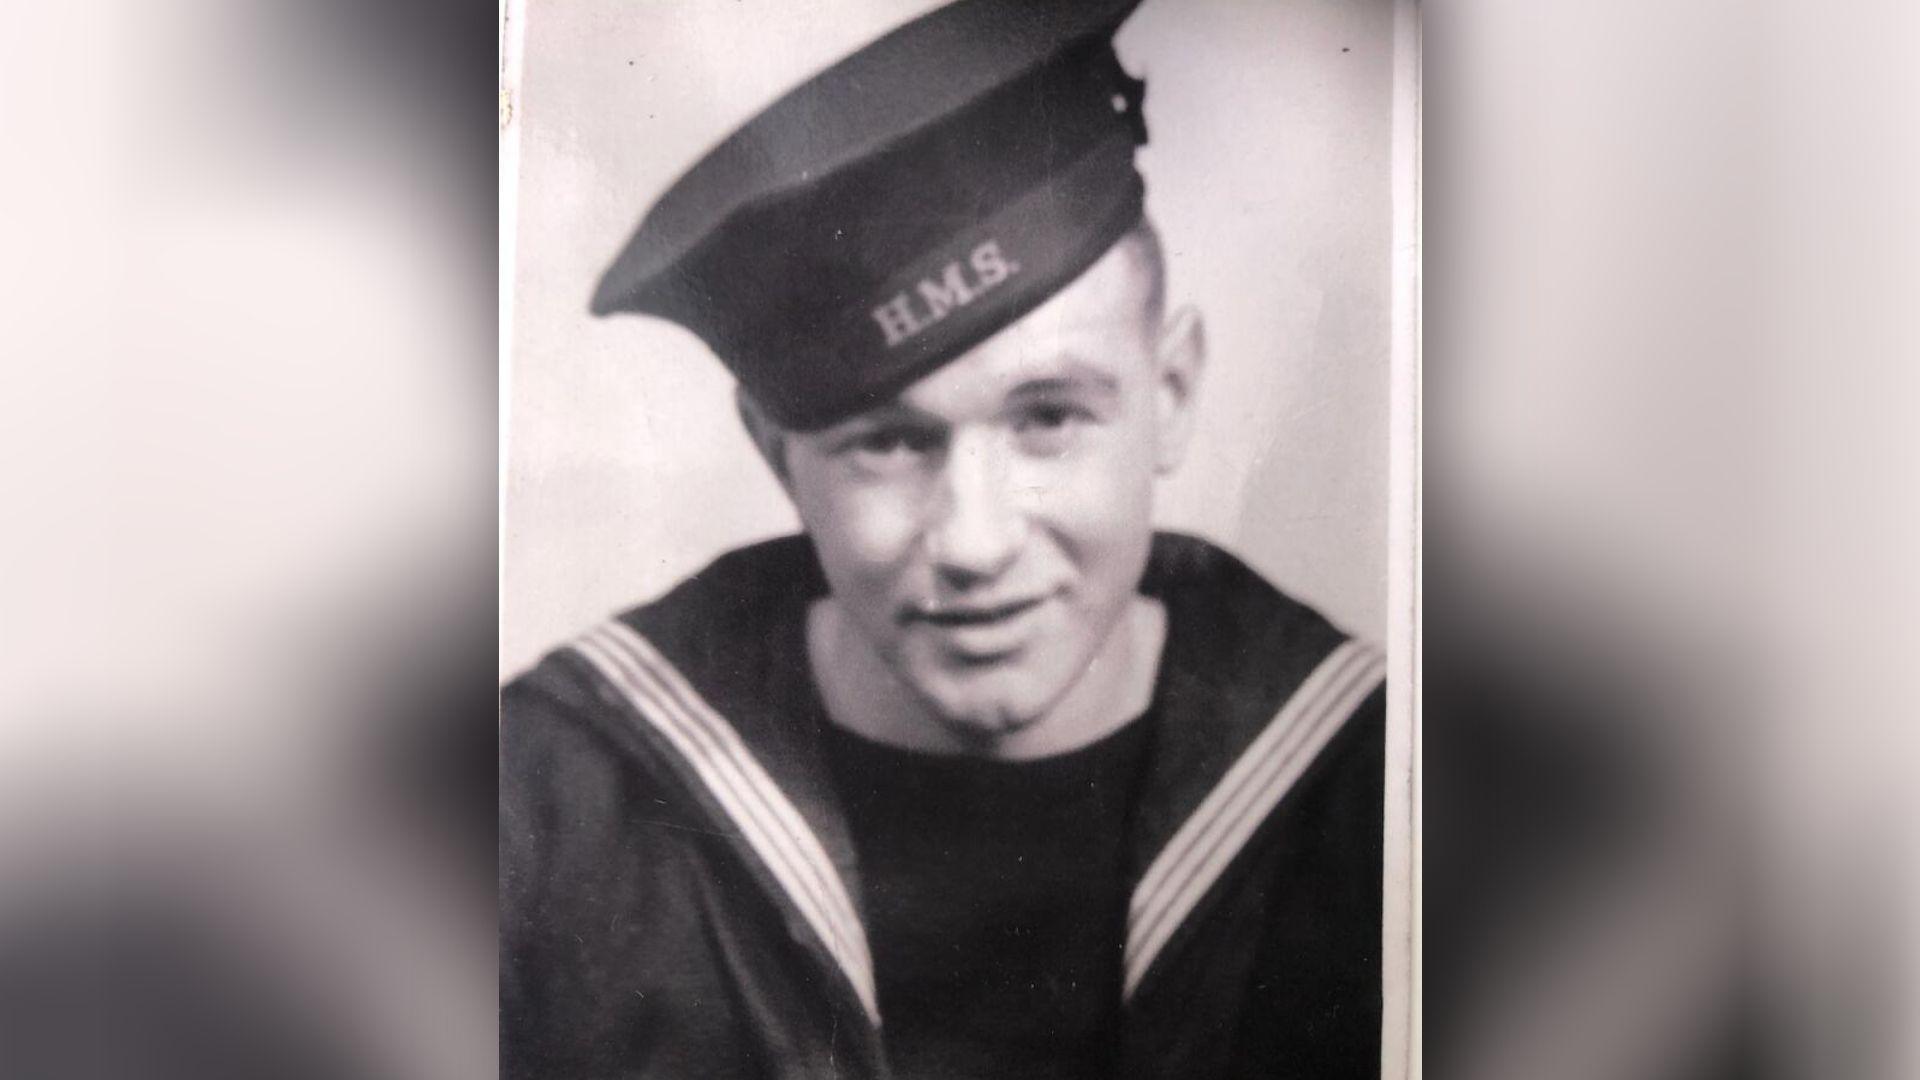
1268, 172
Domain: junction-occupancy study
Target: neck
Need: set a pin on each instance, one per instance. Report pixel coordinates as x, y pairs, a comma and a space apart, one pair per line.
864, 696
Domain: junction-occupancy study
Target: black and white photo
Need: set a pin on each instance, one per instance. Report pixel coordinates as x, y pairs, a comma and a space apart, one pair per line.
946, 561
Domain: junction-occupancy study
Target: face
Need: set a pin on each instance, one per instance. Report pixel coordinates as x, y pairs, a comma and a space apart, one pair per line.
985, 531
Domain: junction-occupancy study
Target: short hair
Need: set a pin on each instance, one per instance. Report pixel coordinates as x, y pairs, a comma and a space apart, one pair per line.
1142, 247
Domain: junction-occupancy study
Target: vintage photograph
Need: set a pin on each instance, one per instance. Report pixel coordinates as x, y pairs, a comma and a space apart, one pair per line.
945, 608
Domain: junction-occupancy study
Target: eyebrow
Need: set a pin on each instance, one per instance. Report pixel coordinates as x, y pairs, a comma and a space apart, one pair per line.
1077, 375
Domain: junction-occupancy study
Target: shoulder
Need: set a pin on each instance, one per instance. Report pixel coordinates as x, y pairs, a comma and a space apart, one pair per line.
1203, 576
1259, 684
728, 601
567, 741
732, 600
1228, 624
1255, 677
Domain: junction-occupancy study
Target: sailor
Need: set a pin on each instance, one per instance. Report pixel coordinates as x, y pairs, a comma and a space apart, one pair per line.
979, 776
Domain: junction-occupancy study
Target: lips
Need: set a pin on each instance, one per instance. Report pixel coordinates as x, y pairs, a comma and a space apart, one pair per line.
963, 615
973, 634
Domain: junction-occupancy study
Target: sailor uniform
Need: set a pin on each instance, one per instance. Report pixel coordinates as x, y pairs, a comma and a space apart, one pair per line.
682, 833
682, 894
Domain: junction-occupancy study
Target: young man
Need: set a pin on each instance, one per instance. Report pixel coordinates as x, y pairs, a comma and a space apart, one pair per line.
980, 777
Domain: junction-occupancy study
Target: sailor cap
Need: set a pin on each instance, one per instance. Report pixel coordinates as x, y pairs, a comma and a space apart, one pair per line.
899, 207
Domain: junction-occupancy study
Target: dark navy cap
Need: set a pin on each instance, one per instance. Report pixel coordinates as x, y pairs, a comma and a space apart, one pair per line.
898, 208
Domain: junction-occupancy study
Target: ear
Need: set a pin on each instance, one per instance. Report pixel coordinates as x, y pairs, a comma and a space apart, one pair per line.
767, 435
1180, 359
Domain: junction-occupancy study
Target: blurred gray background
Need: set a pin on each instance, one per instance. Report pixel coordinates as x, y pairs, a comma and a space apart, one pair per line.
1268, 171
246, 450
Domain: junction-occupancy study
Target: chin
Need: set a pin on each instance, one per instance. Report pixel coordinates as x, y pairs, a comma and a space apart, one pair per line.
984, 704
986, 727
987, 717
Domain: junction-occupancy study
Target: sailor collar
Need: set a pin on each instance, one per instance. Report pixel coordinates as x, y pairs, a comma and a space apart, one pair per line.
1252, 687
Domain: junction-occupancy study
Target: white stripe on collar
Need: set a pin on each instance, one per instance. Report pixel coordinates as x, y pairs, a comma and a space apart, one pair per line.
1216, 831
769, 822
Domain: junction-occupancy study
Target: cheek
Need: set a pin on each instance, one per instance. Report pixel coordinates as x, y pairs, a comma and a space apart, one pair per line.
1099, 503
863, 532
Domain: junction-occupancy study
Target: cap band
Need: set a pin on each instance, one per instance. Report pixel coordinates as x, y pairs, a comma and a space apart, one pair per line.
981, 280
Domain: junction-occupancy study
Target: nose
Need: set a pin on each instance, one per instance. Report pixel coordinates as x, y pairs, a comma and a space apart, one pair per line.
977, 528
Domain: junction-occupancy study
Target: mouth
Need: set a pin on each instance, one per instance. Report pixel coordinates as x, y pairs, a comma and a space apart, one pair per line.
958, 616
976, 635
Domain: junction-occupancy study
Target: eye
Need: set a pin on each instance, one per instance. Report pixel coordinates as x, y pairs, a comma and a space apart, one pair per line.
881, 442
1048, 429
1048, 417
890, 448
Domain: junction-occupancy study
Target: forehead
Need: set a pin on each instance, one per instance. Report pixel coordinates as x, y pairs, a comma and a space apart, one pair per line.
1097, 329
